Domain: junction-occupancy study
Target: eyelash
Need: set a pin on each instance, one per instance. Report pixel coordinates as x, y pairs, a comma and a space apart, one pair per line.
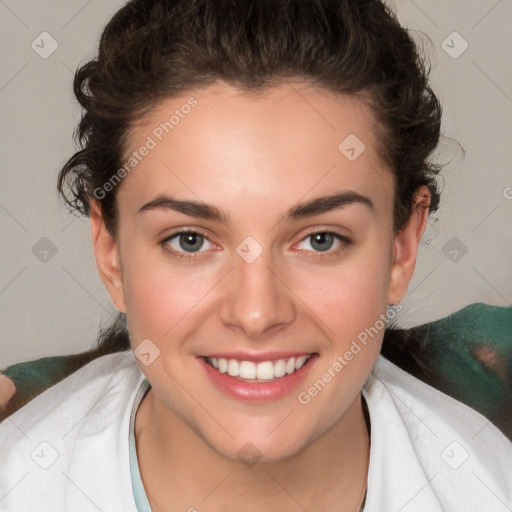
346, 242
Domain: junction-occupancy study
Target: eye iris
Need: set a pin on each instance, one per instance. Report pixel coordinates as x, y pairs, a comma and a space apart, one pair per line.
321, 238
191, 238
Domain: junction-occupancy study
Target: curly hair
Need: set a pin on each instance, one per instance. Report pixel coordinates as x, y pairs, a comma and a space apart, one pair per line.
153, 50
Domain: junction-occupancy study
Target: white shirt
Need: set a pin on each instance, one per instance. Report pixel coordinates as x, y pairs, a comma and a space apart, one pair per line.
68, 449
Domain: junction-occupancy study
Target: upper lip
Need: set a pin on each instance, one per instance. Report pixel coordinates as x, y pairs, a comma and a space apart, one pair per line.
258, 357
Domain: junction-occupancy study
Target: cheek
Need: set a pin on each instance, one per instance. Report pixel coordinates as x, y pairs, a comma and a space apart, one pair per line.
158, 295
347, 297
350, 304
157, 305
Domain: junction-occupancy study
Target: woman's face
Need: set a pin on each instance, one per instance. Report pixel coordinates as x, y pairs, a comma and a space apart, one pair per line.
269, 274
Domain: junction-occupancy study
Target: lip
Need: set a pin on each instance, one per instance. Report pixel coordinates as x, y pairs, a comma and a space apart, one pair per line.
257, 391
257, 357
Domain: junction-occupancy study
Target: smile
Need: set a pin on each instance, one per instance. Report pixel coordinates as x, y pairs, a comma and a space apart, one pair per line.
266, 378
264, 371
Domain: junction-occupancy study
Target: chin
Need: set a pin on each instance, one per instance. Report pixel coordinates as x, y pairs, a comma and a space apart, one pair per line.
263, 444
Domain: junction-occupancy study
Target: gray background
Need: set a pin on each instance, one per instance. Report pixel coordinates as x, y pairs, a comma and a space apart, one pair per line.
52, 303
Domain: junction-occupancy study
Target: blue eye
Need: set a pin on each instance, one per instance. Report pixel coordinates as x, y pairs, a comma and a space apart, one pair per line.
188, 241
186, 244
322, 242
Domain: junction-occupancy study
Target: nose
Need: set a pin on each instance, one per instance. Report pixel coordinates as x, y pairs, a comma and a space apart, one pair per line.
257, 300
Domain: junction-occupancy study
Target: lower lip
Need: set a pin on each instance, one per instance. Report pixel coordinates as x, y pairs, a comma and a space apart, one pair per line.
257, 391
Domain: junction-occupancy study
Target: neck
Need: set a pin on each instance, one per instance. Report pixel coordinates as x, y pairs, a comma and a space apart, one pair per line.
182, 472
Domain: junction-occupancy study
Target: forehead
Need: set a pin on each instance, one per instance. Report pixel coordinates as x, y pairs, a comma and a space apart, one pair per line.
289, 139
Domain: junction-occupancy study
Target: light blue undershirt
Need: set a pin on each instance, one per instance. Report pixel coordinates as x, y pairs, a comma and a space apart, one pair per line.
141, 500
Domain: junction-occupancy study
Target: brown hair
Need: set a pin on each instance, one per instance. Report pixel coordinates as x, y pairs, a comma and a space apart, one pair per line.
156, 49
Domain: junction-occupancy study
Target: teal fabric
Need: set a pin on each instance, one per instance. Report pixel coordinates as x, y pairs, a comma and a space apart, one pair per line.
454, 347
32, 377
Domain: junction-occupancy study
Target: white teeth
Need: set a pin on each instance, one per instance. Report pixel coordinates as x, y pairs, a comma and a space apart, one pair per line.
280, 368
233, 367
300, 361
223, 365
264, 371
247, 370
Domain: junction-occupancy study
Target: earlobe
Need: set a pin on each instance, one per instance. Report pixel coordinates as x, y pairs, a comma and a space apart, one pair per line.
405, 246
106, 252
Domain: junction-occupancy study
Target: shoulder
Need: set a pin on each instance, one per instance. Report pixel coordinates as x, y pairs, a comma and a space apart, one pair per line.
457, 453
70, 432
101, 377
411, 394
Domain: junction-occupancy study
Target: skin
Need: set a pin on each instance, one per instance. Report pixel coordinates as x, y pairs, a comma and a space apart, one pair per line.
254, 157
7, 391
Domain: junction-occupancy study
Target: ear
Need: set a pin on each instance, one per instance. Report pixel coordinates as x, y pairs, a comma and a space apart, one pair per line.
406, 246
106, 252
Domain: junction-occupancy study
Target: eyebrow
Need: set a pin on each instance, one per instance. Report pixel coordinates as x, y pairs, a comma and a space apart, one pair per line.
311, 208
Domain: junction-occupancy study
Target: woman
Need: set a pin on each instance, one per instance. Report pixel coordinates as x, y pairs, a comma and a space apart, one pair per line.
257, 179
